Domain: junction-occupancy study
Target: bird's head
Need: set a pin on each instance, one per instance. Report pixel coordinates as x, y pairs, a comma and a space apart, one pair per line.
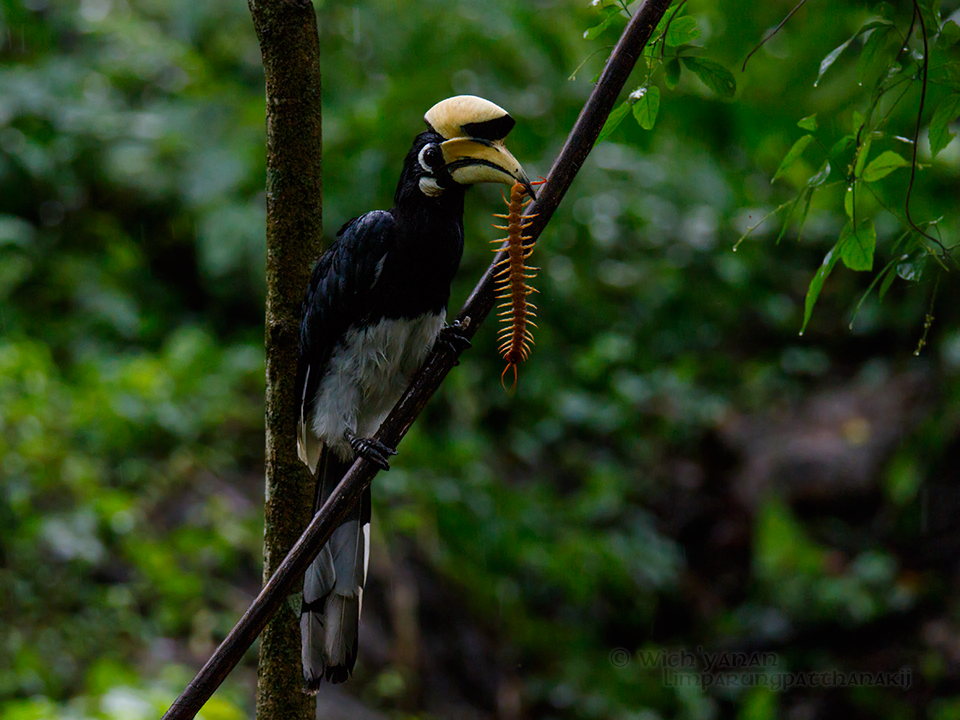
464, 146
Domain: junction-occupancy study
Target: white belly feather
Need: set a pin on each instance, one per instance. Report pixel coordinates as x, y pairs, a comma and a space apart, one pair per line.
368, 373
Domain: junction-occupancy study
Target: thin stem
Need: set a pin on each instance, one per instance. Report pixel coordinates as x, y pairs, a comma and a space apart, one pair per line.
916, 131
662, 39
772, 33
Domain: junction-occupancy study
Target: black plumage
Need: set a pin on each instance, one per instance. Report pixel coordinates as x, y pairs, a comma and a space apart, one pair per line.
375, 306
384, 265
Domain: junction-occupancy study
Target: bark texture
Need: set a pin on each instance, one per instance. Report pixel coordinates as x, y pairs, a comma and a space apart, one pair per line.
287, 31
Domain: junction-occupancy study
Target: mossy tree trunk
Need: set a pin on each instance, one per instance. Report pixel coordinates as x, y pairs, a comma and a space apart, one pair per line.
287, 30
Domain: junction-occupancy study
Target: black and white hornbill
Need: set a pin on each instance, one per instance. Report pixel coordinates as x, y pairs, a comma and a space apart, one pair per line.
375, 306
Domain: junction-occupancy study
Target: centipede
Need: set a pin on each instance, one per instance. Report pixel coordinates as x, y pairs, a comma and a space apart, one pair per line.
511, 284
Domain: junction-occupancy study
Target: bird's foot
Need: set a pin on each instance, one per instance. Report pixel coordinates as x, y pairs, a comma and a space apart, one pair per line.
371, 449
452, 338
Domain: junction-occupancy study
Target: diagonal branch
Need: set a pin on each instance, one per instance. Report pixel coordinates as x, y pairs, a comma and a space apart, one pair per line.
334, 511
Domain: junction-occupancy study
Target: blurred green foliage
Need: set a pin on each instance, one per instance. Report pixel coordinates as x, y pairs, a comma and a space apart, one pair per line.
590, 512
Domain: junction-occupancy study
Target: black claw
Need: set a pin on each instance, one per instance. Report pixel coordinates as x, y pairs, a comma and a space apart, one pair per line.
452, 339
371, 449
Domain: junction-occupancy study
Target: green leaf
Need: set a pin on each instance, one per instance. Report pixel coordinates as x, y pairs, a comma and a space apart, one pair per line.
863, 299
863, 152
808, 123
799, 208
614, 119
873, 24
910, 267
885, 285
664, 19
874, 58
858, 245
712, 74
949, 35
805, 198
946, 112
830, 59
821, 177
907, 239
816, 285
841, 146
671, 74
609, 15
885, 10
882, 165
849, 197
793, 155
932, 15
645, 109
682, 30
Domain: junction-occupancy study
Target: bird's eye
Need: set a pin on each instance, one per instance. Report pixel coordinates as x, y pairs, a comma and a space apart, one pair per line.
431, 157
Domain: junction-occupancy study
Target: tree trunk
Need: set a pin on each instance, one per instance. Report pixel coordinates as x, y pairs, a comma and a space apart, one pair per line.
287, 31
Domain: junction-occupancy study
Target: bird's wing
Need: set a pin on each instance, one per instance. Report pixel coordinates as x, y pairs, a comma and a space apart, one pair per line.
336, 299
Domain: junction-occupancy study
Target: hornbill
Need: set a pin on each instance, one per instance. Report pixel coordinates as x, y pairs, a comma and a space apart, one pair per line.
375, 306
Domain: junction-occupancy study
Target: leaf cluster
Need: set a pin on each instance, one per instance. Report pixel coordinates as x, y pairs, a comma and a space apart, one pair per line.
666, 56
894, 65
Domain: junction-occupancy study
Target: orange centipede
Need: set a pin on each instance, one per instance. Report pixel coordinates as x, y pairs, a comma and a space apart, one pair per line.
515, 337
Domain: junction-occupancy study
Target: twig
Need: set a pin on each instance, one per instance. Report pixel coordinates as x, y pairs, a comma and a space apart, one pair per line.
666, 28
773, 32
568, 163
917, 13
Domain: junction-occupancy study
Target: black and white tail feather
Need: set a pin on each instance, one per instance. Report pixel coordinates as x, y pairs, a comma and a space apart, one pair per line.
333, 587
